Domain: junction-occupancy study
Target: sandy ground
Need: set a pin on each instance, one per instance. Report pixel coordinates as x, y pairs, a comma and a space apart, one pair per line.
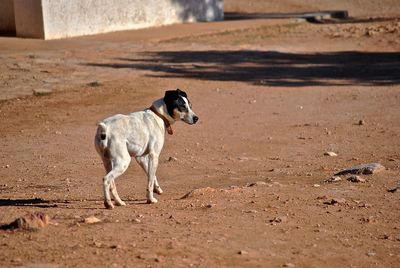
272, 95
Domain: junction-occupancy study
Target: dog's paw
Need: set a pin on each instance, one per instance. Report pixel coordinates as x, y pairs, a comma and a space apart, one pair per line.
108, 204
158, 190
120, 203
151, 200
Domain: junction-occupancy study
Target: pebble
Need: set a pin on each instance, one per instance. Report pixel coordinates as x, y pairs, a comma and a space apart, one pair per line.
199, 192
279, 219
250, 211
172, 159
243, 252
393, 190
330, 154
31, 221
92, 220
149, 256
316, 185
371, 254
335, 201
97, 244
356, 179
257, 183
333, 179
289, 264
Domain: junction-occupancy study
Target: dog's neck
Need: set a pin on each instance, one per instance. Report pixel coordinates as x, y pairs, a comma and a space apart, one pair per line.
160, 109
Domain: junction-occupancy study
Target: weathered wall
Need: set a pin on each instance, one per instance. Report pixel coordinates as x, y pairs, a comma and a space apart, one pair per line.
7, 21
60, 19
29, 18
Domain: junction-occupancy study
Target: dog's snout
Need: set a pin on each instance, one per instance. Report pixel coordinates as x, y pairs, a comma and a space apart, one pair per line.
195, 119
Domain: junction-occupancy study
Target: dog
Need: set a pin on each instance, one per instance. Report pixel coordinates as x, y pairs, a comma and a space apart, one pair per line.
140, 135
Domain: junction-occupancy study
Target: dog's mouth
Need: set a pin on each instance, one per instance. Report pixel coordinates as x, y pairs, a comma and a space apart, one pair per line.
191, 121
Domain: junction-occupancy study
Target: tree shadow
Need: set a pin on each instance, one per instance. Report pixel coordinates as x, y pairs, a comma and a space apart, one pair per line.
269, 68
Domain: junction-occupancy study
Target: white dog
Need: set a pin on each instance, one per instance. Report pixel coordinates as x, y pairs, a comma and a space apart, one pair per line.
140, 135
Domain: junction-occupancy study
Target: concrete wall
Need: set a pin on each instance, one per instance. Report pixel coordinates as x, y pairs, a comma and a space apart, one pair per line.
52, 19
7, 21
29, 18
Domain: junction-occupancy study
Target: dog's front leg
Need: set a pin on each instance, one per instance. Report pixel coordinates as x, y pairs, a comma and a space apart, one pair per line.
143, 161
151, 177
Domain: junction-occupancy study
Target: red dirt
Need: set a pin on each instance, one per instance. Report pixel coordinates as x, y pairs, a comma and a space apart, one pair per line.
272, 96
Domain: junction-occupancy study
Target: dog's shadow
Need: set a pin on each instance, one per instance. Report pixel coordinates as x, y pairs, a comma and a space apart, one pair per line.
43, 203
33, 202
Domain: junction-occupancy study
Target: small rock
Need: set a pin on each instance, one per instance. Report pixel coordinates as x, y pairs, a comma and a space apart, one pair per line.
289, 264
94, 84
116, 246
31, 221
198, 192
356, 179
250, 211
172, 159
41, 92
335, 201
316, 185
243, 252
365, 169
330, 154
393, 190
97, 244
279, 219
257, 183
361, 123
92, 220
333, 179
371, 254
149, 256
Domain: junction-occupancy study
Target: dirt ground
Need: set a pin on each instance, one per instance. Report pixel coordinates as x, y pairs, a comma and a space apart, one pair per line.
273, 95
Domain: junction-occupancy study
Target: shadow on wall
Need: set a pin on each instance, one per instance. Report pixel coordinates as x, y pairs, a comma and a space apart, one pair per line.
270, 68
200, 10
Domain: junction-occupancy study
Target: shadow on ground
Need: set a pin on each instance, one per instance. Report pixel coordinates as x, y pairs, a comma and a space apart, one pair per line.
34, 202
269, 68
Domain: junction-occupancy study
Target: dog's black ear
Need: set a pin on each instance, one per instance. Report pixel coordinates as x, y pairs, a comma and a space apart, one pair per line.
171, 94
170, 100
181, 92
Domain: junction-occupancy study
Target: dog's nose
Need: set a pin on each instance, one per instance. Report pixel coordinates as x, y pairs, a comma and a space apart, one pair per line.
195, 119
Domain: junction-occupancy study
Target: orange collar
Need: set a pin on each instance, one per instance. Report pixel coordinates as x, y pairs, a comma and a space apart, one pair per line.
166, 122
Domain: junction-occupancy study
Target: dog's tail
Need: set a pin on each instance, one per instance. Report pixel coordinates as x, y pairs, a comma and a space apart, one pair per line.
102, 135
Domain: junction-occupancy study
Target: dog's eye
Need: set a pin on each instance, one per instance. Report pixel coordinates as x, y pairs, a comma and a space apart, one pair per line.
183, 108
181, 105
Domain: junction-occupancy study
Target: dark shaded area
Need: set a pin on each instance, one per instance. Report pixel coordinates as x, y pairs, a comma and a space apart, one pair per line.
322, 17
270, 68
337, 14
8, 34
34, 202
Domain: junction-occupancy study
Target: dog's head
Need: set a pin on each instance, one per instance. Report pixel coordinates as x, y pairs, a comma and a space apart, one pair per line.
179, 106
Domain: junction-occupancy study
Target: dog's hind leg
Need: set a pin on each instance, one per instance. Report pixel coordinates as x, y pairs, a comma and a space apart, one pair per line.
115, 196
119, 166
143, 162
